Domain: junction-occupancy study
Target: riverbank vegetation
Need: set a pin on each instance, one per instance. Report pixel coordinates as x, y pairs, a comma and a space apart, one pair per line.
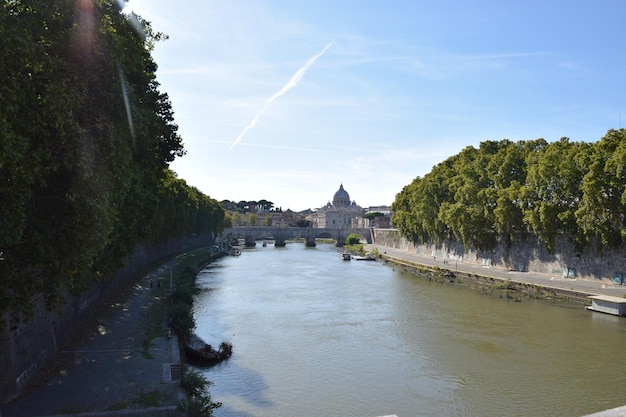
176, 289
505, 289
506, 191
182, 281
86, 140
199, 403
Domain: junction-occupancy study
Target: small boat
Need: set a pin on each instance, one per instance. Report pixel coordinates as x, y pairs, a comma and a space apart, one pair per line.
201, 353
365, 258
346, 256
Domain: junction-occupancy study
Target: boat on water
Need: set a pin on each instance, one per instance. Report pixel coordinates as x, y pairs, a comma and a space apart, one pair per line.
367, 257
201, 353
346, 256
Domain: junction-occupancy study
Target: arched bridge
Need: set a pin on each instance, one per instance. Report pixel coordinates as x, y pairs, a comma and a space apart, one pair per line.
280, 234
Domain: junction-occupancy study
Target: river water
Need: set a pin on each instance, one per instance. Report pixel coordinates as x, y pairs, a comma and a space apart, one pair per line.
317, 336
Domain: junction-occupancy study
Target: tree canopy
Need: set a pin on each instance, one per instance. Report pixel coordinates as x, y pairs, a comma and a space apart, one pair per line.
249, 206
373, 215
504, 191
86, 139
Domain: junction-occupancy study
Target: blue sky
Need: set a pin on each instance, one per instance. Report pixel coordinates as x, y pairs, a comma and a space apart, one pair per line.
284, 100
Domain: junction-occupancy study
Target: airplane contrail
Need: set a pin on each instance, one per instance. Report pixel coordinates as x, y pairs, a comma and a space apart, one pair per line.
260, 145
293, 81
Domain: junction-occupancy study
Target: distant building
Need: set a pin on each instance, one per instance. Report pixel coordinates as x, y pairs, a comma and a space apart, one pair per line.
382, 221
340, 213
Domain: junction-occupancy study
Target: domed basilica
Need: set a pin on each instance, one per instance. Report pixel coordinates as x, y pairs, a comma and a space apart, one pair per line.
340, 213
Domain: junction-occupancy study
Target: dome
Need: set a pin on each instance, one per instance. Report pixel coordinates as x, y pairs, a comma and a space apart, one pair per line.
341, 198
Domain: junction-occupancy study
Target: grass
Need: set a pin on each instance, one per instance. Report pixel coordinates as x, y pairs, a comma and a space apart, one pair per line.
149, 399
143, 400
357, 249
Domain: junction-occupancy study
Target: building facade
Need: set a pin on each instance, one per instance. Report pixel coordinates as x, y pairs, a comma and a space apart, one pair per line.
340, 213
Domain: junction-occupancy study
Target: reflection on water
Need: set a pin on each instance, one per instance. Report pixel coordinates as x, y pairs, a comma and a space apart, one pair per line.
315, 335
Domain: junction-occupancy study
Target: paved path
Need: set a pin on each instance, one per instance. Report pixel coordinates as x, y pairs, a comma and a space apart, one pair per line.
604, 287
112, 366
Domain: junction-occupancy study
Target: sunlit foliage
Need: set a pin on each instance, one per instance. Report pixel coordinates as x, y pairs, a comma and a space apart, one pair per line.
86, 139
504, 191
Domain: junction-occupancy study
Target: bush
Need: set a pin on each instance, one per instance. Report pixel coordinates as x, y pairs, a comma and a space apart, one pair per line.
182, 320
183, 294
353, 239
199, 402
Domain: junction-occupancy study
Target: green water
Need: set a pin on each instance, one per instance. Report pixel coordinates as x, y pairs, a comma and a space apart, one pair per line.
317, 336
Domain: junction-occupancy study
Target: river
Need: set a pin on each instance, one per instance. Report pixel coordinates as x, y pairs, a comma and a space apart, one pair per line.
317, 336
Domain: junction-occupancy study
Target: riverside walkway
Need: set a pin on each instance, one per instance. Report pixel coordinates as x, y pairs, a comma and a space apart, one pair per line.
112, 366
582, 287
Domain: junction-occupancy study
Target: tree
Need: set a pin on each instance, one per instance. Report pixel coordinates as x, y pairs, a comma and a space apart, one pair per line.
553, 190
303, 223
353, 239
86, 139
265, 205
228, 220
502, 190
602, 210
199, 403
372, 215
237, 219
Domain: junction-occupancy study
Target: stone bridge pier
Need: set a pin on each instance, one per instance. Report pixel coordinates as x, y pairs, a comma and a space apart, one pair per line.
309, 239
279, 239
250, 240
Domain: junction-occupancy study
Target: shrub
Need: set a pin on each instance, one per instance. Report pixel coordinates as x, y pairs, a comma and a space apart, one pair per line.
353, 239
199, 403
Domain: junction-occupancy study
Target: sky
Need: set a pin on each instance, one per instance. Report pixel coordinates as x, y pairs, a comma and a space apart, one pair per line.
284, 100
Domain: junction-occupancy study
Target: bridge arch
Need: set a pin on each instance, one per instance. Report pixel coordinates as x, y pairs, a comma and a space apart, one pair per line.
280, 234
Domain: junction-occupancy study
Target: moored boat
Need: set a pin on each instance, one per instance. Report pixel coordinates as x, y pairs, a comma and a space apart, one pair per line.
346, 256
202, 353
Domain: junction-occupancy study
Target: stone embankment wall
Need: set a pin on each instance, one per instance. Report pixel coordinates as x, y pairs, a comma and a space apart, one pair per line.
529, 256
26, 345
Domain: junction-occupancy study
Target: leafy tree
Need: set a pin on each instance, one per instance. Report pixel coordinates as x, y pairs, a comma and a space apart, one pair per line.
403, 215
199, 403
503, 190
602, 210
553, 190
373, 215
229, 205
243, 206
228, 219
237, 219
353, 239
265, 205
86, 139
468, 213
303, 223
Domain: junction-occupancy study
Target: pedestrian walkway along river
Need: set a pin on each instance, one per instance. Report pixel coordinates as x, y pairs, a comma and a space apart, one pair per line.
108, 368
580, 286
